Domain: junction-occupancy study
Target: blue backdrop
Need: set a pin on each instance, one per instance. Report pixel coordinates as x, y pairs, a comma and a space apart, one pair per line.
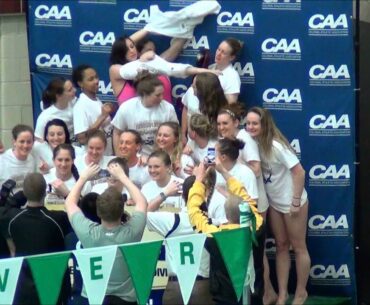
297, 61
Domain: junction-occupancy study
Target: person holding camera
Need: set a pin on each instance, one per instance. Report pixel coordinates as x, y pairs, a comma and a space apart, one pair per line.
34, 230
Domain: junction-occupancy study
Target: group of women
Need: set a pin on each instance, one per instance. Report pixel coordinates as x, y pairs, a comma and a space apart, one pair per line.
70, 134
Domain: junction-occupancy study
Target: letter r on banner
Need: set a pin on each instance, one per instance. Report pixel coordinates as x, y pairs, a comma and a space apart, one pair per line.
186, 250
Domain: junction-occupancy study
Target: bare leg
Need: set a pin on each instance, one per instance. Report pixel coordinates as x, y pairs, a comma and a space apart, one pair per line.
296, 227
174, 50
282, 253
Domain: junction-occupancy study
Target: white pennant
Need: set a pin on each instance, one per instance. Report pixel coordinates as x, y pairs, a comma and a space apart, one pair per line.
96, 266
9, 273
184, 254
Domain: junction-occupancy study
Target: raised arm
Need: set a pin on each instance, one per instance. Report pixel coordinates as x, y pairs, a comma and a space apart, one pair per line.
75, 193
140, 202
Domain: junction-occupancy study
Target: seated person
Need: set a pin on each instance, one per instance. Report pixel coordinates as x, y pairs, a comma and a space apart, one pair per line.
111, 231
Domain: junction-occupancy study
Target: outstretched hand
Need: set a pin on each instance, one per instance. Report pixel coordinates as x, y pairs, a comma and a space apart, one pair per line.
200, 172
90, 171
116, 171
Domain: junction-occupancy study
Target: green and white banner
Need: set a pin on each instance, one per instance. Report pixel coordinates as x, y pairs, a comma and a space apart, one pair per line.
184, 254
9, 273
96, 265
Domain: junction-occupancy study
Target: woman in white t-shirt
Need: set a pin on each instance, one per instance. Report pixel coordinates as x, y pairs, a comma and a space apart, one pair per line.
95, 147
165, 189
89, 112
284, 179
57, 101
55, 133
61, 178
201, 138
17, 162
168, 139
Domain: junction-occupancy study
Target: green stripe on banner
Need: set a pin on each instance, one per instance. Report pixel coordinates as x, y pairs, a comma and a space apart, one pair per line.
48, 272
235, 247
141, 260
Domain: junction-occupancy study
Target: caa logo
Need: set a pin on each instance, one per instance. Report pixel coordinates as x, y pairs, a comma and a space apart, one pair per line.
192, 46
96, 42
282, 99
53, 16
236, 23
105, 92
270, 247
321, 25
134, 19
54, 63
322, 175
319, 225
295, 144
321, 125
283, 49
329, 75
178, 91
245, 72
330, 275
289, 5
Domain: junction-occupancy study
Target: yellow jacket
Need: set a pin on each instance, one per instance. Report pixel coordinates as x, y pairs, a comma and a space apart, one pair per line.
197, 195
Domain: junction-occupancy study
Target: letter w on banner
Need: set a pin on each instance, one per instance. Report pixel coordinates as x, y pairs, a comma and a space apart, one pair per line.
9, 272
184, 254
96, 266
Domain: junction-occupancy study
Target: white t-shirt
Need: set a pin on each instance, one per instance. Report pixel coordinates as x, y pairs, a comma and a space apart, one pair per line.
245, 175
134, 115
51, 113
229, 79
53, 201
43, 151
278, 178
191, 102
151, 190
139, 175
198, 154
12, 168
85, 113
216, 208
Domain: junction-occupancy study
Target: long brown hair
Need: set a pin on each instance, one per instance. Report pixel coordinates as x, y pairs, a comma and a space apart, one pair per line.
269, 132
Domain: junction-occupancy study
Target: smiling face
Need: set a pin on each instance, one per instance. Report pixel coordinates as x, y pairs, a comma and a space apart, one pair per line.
158, 171
253, 124
95, 150
166, 138
23, 145
128, 146
131, 53
55, 136
223, 55
226, 126
63, 163
90, 82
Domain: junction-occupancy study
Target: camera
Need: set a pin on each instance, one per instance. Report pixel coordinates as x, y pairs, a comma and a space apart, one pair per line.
6, 191
211, 156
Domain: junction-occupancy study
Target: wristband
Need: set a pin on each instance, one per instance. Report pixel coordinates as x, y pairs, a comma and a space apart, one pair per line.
163, 196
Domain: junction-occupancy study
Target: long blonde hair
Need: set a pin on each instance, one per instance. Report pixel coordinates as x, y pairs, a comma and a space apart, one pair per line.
269, 131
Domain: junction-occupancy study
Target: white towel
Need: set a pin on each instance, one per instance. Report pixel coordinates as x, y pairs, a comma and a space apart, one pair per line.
180, 24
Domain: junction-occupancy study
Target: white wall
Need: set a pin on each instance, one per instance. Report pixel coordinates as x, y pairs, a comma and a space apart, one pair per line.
15, 87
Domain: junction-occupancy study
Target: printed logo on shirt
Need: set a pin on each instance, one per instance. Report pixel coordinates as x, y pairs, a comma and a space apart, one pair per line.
283, 49
328, 25
331, 125
245, 71
97, 1
330, 175
134, 19
330, 275
54, 63
329, 75
98, 42
285, 5
295, 144
105, 91
193, 45
235, 22
54, 15
283, 99
330, 225
180, 3
178, 91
